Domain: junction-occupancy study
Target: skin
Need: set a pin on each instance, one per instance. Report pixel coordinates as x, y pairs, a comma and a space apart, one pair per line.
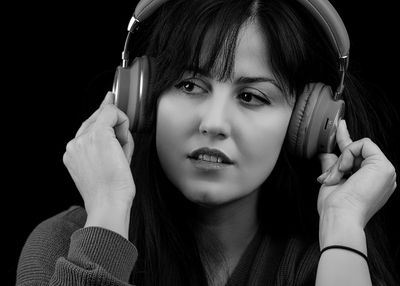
98, 161
205, 112
346, 205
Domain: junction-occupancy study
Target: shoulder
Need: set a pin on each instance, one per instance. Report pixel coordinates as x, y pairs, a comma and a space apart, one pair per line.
48, 241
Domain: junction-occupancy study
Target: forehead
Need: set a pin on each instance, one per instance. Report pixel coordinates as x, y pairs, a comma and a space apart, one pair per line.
249, 55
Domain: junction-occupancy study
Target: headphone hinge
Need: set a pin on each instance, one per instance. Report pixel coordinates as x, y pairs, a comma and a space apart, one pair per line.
132, 26
133, 23
343, 64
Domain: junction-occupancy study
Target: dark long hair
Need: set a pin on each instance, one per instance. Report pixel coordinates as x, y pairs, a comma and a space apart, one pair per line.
163, 224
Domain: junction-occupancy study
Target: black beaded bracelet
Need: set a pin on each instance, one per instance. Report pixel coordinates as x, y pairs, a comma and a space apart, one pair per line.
346, 248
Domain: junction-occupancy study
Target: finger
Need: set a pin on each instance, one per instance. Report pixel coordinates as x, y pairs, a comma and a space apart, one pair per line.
108, 99
363, 148
342, 135
327, 160
129, 147
122, 130
351, 159
334, 175
343, 139
111, 116
87, 123
330, 163
349, 162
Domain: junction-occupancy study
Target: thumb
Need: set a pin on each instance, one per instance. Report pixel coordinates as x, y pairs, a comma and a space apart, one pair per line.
327, 160
108, 99
129, 147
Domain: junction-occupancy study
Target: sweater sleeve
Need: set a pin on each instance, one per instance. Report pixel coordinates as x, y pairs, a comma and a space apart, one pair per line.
60, 252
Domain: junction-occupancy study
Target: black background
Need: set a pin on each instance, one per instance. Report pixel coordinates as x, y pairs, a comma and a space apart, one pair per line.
60, 61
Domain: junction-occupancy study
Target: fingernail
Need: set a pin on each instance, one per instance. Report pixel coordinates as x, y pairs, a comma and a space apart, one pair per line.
322, 178
340, 163
110, 95
344, 123
328, 178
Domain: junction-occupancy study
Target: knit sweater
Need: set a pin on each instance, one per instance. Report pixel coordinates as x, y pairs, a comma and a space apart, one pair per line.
60, 251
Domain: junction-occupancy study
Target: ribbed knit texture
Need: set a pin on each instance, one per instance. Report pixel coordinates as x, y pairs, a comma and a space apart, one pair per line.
60, 251
101, 251
242, 271
299, 264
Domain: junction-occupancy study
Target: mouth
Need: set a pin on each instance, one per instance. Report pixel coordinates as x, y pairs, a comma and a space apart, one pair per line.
213, 156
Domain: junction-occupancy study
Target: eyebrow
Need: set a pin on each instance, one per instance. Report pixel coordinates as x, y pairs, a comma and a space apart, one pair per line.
240, 80
248, 80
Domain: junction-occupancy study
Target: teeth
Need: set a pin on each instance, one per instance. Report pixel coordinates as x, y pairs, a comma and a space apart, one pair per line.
209, 158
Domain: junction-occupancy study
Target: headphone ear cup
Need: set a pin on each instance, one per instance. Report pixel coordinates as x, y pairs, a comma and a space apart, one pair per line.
131, 88
314, 121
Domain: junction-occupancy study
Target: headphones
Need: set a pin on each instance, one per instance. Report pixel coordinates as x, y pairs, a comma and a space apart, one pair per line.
318, 110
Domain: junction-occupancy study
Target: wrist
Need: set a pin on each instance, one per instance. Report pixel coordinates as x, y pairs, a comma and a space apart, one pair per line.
339, 229
114, 217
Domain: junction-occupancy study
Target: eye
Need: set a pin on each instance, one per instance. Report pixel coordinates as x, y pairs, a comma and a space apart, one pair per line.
253, 99
191, 86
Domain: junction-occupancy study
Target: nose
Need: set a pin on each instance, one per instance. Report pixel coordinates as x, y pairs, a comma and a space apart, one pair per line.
215, 118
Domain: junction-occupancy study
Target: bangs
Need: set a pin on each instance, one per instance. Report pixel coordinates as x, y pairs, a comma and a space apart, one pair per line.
202, 42
212, 48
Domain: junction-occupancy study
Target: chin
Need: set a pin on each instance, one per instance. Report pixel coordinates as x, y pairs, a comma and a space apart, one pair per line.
210, 195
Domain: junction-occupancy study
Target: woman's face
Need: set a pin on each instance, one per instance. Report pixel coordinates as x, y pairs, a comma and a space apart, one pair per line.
245, 117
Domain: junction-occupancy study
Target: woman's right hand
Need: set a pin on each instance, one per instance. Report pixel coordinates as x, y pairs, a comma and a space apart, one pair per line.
98, 160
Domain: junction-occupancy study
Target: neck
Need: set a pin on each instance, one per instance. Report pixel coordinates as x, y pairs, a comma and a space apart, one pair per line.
231, 225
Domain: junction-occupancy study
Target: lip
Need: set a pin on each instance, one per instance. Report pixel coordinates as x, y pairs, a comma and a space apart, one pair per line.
211, 152
208, 166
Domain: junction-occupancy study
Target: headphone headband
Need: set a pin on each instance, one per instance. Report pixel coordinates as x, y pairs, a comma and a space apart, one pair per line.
328, 17
322, 10
143, 10
330, 21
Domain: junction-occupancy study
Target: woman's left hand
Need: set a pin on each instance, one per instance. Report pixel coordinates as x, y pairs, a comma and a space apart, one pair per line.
371, 182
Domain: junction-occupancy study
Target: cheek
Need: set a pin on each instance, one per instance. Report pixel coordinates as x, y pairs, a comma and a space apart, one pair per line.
174, 115
166, 130
261, 143
173, 128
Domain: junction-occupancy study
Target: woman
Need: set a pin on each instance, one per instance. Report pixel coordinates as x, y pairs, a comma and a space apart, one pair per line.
214, 196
